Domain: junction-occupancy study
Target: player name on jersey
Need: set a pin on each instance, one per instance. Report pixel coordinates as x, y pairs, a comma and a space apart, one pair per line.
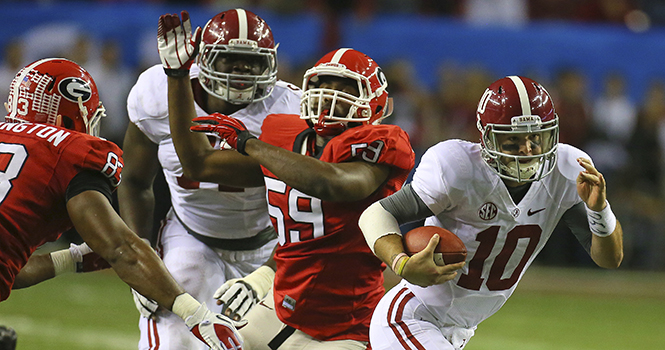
51, 134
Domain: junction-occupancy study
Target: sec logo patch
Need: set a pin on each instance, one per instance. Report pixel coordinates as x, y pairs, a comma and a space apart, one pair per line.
487, 211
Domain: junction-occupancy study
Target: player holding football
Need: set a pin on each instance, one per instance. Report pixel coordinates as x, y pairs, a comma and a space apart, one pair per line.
321, 170
56, 174
503, 197
213, 232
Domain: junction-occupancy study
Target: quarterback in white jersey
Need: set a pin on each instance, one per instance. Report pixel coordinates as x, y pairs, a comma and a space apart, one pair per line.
502, 197
212, 233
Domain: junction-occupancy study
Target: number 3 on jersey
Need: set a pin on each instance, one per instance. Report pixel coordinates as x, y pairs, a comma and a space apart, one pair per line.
12, 158
301, 212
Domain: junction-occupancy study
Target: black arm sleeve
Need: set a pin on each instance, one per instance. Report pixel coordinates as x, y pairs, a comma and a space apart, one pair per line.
89, 180
406, 206
576, 220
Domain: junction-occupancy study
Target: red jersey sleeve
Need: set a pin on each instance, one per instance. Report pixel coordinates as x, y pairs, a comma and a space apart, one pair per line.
380, 144
91, 153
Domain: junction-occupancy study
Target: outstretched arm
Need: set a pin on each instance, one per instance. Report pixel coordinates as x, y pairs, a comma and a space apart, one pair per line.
132, 259
349, 181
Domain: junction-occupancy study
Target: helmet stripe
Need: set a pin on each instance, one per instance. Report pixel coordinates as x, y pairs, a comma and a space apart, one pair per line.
242, 23
338, 55
24, 73
521, 92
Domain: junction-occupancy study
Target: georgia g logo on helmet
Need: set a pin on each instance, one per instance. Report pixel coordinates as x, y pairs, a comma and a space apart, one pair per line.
72, 88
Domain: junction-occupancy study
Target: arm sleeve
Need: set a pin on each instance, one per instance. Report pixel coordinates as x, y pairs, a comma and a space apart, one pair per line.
575, 219
406, 206
89, 180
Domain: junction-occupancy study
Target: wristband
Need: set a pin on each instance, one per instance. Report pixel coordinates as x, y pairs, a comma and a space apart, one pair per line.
401, 264
185, 305
395, 262
601, 223
176, 73
243, 136
63, 262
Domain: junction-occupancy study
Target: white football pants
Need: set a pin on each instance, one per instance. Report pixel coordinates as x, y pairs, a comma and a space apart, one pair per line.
400, 321
200, 270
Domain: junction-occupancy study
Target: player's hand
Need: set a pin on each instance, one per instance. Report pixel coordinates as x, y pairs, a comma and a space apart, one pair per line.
230, 129
238, 295
87, 260
148, 308
218, 331
177, 47
591, 185
421, 270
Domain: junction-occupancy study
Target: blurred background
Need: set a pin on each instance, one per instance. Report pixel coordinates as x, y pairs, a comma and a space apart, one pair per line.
601, 60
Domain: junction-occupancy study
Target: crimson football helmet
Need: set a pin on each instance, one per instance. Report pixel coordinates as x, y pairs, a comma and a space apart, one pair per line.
370, 107
55, 91
518, 106
238, 35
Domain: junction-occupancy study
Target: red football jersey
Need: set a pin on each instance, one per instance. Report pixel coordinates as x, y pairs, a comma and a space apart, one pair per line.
328, 281
37, 162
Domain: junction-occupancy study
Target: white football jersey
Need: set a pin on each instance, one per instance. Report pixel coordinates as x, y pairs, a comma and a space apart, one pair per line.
502, 238
206, 208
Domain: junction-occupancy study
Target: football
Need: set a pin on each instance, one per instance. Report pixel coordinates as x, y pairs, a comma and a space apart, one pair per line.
450, 249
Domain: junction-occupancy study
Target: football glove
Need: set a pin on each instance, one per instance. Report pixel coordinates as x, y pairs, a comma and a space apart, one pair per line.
230, 129
218, 331
78, 258
238, 295
177, 47
147, 307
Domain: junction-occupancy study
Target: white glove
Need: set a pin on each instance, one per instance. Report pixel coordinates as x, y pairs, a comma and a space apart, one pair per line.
147, 307
238, 295
177, 47
218, 331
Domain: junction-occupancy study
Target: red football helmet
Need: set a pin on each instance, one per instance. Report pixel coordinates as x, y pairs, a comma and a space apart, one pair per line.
518, 106
370, 107
55, 91
238, 35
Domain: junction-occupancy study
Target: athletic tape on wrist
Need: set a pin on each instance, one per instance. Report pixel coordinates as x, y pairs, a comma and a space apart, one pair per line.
185, 305
601, 223
63, 262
